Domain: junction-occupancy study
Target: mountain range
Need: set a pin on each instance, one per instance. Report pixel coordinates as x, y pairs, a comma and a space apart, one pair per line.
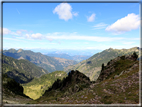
49, 63
117, 76
91, 67
77, 58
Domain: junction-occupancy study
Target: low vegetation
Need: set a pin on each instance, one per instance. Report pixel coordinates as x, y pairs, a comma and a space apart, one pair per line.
37, 86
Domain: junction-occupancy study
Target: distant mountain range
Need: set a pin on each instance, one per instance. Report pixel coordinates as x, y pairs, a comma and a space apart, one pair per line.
49, 63
92, 66
70, 52
77, 58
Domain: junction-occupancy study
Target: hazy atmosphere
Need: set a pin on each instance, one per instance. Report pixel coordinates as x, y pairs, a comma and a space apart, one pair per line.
73, 28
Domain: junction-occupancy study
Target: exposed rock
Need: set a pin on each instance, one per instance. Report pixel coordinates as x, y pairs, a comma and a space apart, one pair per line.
76, 88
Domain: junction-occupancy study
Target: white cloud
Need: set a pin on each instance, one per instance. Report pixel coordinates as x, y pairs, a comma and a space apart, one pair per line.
18, 32
50, 39
75, 13
64, 10
36, 36
5, 31
74, 36
100, 26
128, 23
91, 18
27, 36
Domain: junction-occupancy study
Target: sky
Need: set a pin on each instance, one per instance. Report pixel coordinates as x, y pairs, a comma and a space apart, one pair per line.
71, 26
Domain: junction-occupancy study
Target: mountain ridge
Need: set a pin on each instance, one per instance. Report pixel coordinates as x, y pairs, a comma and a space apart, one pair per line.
77, 58
92, 66
49, 63
21, 70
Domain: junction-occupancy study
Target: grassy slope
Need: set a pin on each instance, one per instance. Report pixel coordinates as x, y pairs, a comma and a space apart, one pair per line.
123, 89
92, 66
37, 86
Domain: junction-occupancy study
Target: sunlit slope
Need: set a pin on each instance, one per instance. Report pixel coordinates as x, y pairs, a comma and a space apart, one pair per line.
37, 86
92, 66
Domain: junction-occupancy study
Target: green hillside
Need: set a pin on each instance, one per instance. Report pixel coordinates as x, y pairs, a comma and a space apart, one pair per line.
37, 86
118, 83
92, 66
21, 70
49, 63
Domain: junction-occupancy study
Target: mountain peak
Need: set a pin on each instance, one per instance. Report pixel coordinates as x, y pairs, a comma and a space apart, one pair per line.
19, 50
110, 48
12, 49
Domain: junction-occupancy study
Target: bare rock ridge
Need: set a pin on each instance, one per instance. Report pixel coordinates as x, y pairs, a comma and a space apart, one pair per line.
73, 80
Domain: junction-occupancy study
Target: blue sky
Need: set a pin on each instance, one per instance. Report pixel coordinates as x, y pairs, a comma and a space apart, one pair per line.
71, 26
